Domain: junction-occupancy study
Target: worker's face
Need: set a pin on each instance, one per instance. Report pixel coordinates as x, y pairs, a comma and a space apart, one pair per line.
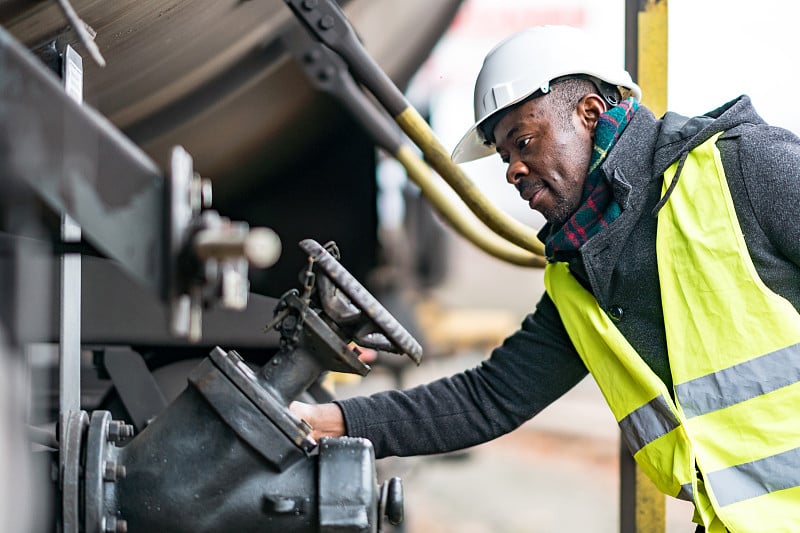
547, 156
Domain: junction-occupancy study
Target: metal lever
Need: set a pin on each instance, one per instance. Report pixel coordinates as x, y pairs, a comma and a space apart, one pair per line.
327, 23
391, 502
328, 72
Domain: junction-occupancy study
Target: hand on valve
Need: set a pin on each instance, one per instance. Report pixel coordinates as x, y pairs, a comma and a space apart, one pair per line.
325, 419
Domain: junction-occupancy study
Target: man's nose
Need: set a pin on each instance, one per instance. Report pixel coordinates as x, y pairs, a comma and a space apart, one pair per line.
516, 171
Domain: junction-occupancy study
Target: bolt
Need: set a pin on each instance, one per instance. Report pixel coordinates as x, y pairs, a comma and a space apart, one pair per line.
284, 505
326, 22
310, 5
112, 525
289, 323
118, 431
114, 471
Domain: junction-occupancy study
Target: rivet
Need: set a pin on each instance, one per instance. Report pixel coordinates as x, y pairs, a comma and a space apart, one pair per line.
326, 22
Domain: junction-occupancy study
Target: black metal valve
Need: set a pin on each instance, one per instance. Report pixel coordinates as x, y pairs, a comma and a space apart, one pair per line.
250, 464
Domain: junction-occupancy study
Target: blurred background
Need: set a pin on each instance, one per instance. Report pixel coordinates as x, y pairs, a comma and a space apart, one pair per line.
222, 79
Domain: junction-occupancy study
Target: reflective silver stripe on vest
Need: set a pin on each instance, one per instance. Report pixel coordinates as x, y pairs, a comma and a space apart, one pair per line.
749, 480
647, 423
740, 382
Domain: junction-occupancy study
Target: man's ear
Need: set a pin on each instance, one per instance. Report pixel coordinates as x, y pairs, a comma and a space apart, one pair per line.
589, 109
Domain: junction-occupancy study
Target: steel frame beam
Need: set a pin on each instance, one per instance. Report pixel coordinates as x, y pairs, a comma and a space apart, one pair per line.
78, 163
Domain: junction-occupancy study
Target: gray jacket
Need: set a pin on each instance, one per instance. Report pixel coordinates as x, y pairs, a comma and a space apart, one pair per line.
538, 364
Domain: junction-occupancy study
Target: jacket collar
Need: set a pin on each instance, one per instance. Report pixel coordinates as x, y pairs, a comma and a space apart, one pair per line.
624, 167
680, 134
629, 167
646, 148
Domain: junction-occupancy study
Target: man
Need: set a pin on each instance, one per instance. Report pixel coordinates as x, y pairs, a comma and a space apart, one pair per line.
673, 277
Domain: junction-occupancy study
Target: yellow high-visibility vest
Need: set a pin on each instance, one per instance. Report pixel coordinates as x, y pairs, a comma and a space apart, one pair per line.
728, 437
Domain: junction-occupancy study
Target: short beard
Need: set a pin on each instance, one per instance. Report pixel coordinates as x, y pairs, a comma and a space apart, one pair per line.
560, 212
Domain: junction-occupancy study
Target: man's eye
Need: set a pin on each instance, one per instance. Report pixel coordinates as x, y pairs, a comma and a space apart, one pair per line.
522, 143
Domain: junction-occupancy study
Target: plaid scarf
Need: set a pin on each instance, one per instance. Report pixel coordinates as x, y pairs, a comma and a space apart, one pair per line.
598, 207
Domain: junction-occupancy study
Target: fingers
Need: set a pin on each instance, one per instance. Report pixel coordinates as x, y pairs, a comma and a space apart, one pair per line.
325, 419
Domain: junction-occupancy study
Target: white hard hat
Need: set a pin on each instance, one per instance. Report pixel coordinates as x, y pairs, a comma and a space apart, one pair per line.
527, 62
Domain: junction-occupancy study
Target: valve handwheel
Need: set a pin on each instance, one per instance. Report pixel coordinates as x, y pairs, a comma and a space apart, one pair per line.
384, 322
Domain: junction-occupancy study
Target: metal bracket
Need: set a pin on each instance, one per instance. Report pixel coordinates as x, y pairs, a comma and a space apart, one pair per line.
209, 255
70, 300
72, 421
327, 23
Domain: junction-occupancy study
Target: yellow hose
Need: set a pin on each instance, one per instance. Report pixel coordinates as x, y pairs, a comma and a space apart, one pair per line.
437, 157
467, 226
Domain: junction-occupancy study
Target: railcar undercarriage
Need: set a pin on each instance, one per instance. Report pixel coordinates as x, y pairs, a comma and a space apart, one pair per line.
116, 271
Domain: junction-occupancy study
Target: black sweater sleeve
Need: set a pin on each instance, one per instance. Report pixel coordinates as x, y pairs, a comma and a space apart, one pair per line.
532, 368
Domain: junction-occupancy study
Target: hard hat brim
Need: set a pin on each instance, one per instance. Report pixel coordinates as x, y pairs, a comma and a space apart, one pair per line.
472, 146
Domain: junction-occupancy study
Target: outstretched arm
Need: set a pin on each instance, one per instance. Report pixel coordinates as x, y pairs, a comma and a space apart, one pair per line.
532, 368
